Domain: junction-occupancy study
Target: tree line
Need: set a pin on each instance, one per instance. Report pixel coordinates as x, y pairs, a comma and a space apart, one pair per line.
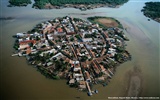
152, 10
20, 2
41, 3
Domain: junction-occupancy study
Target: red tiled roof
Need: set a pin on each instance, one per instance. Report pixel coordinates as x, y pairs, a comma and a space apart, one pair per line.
28, 51
28, 41
59, 30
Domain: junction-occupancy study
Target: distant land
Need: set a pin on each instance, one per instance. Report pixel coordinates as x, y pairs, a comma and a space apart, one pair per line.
6, 18
152, 10
79, 4
19, 2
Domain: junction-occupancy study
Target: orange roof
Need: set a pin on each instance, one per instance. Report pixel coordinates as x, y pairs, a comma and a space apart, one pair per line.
60, 30
28, 41
28, 51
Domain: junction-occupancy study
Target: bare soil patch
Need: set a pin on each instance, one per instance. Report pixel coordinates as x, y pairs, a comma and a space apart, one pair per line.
108, 22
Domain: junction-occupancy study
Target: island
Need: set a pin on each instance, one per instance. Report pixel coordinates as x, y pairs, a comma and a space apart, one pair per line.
19, 2
79, 4
152, 10
84, 53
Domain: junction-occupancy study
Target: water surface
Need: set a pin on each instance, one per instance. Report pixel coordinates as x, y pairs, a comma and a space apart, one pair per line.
21, 81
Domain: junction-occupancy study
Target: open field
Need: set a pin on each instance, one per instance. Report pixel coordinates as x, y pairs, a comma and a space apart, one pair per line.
107, 22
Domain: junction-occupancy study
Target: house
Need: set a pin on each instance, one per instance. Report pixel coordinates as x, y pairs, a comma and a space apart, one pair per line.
28, 51
20, 40
20, 35
102, 68
23, 46
46, 27
27, 42
50, 37
87, 39
52, 29
58, 46
49, 63
72, 81
76, 69
77, 75
79, 78
75, 62
94, 30
94, 48
82, 86
112, 51
60, 30
81, 45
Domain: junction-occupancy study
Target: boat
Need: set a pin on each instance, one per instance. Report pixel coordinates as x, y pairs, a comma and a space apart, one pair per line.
89, 93
96, 91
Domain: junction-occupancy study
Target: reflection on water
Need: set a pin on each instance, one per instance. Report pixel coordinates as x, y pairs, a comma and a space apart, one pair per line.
21, 81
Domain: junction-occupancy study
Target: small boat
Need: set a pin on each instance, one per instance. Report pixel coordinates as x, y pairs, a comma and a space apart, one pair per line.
96, 91
89, 93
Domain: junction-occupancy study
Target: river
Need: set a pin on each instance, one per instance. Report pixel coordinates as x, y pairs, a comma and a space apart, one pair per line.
18, 80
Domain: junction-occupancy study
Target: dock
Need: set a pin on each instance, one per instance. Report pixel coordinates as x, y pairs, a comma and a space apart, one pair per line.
14, 54
89, 90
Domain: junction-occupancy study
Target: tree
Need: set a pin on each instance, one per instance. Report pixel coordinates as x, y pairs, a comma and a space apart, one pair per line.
152, 10
41, 3
20, 2
71, 39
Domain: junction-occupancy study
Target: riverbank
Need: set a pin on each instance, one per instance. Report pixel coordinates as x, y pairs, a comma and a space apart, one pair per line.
82, 7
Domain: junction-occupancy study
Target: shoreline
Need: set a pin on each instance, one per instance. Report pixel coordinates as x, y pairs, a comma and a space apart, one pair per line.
81, 7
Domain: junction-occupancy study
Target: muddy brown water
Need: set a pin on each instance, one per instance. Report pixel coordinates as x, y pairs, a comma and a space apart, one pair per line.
20, 81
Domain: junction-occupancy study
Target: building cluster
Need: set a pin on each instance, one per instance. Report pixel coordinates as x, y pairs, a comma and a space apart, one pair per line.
74, 49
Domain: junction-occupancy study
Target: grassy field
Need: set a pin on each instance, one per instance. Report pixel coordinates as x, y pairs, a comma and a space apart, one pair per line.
108, 22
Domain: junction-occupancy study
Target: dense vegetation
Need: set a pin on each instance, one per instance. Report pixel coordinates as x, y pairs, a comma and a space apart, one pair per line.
41, 3
117, 2
20, 2
152, 10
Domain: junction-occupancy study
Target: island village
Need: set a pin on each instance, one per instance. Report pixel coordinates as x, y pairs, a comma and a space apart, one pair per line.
74, 49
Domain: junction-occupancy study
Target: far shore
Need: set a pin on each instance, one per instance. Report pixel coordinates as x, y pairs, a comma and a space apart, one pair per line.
82, 7
6, 18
